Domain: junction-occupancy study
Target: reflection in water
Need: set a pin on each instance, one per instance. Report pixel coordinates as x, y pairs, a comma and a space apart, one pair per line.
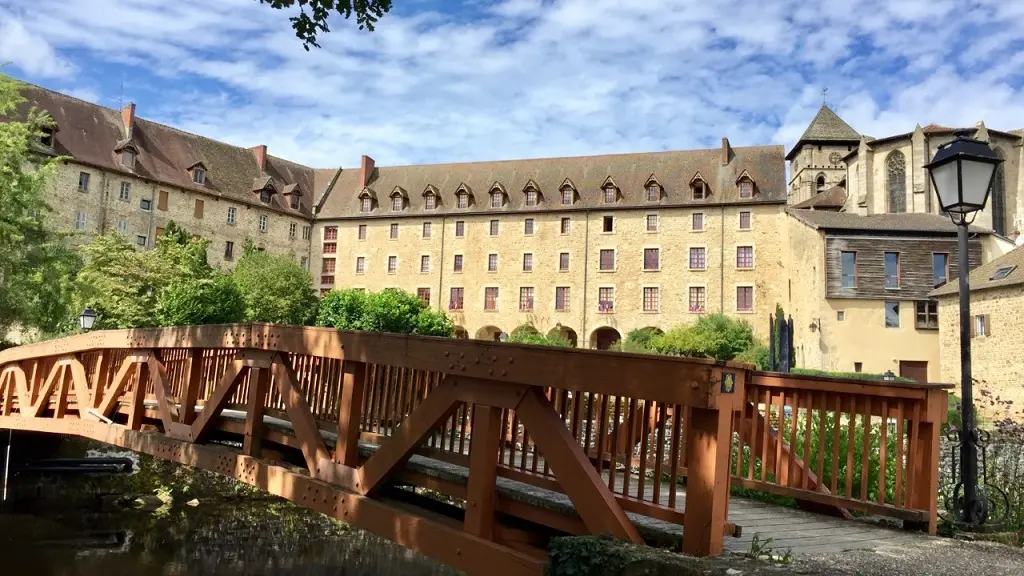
263, 536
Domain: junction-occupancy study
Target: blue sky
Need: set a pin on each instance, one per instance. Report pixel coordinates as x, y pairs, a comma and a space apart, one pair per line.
443, 81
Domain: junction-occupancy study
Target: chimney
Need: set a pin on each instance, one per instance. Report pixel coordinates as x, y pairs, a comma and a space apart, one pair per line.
261, 156
726, 151
128, 119
365, 171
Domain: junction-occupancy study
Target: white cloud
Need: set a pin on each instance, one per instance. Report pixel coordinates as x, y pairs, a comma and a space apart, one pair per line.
29, 51
526, 78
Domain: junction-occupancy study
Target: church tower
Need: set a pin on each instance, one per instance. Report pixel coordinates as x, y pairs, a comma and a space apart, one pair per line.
816, 162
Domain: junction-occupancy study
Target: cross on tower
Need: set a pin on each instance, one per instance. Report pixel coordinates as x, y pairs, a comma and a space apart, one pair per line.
824, 95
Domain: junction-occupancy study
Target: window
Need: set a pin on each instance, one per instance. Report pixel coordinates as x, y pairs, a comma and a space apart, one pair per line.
980, 326
896, 181
397, 203
820, 182
651, 299
429, 201
526, 299
566, 222
858, 366
83, 181
360, 264
606, 300
362, 232
425, 263
927, 312
892, 270
455, 299
698, 298
394, 231
293, 201
199, 175
263, 222
46, 139
652, 222
79, 220
128, 158
698, 261
126, 189
159, 232
304, 263
841, 316
462, 200
746, 189
607, 261
392, 264
567, 196
140, 240
231, 214
365, 204
892, 314
609, 195
528, 226
653, 192
146, 205
307, 232
490, 299
426, 229
563, 261
457, 267
492, 262
265, 196
531, 197
328, 266
745, 257
848, 263
608, 224
700, 190
698, 221
652, 259
197, 211
460, 229
424, 295
744, 299
562, 298
229, 250
940, 268
496, 199
527, 262
1002, 272
744, 220
292, 227
494, 227
122, 227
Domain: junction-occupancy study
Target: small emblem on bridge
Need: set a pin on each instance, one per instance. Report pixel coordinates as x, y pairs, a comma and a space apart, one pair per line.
728, 382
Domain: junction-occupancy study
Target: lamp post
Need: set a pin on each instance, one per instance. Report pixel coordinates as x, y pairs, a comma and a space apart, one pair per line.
889, 375
86, 319
962, 172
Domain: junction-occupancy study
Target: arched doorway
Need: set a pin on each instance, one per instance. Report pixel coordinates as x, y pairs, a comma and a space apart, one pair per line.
565, 332
488, 333
604, 338
461, 333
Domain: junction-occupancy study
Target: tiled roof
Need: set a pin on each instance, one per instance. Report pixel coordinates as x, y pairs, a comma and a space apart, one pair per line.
834, 197
981, 277
826, 126
90, 133
845, 221
586, 174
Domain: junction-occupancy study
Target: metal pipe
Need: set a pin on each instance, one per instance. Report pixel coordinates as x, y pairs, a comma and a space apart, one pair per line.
968, 435
7, 461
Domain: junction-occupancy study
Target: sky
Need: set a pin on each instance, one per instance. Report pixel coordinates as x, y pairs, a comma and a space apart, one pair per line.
465, 80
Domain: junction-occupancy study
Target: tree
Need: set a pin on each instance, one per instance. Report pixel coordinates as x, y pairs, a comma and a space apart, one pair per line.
35, 262
308, 24
713, 336
528, 334
208, 300
275, 289
390, 310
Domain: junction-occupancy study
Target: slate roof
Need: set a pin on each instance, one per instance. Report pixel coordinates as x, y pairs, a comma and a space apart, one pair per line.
980, 277
586, 174
826, 126
845, 221
833, 198
89, 133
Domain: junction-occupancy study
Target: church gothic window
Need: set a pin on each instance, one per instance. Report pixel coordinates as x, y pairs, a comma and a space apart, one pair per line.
820, 183
896, 181
999, 197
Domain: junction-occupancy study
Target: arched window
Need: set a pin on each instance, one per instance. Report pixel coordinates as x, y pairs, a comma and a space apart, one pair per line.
896, 181
999, 198
820, 183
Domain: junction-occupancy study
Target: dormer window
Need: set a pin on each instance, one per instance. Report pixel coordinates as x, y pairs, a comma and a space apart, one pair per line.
699, 189
429, 201
531, 197
462, 200
265, 196
365, 205
47, 137
294, 201
128, 158
199, 175
746, 184
653, 190
611, 194
397, 204
497, 199
567, 196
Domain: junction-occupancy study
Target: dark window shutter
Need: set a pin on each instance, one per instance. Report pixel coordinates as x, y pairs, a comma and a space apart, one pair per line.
988, 325
973, 325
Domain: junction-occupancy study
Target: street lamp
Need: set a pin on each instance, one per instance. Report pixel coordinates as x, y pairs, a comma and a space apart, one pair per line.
888, 375
962, 172
87, 318
503, 337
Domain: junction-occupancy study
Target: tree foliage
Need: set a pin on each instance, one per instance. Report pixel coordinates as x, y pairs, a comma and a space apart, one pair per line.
528, 334
275, 289
213, 299
714, 336
390, 310
313, 15
35, 262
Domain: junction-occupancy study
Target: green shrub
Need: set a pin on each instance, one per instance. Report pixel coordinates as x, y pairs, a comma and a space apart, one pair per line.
527, 334
390, 310
640, 339
187, 301
756, 355
839, 374
713, 336
276, 289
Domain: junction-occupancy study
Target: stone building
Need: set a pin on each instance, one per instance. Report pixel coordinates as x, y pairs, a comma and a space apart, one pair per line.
126, 174
592, 247
997, 322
